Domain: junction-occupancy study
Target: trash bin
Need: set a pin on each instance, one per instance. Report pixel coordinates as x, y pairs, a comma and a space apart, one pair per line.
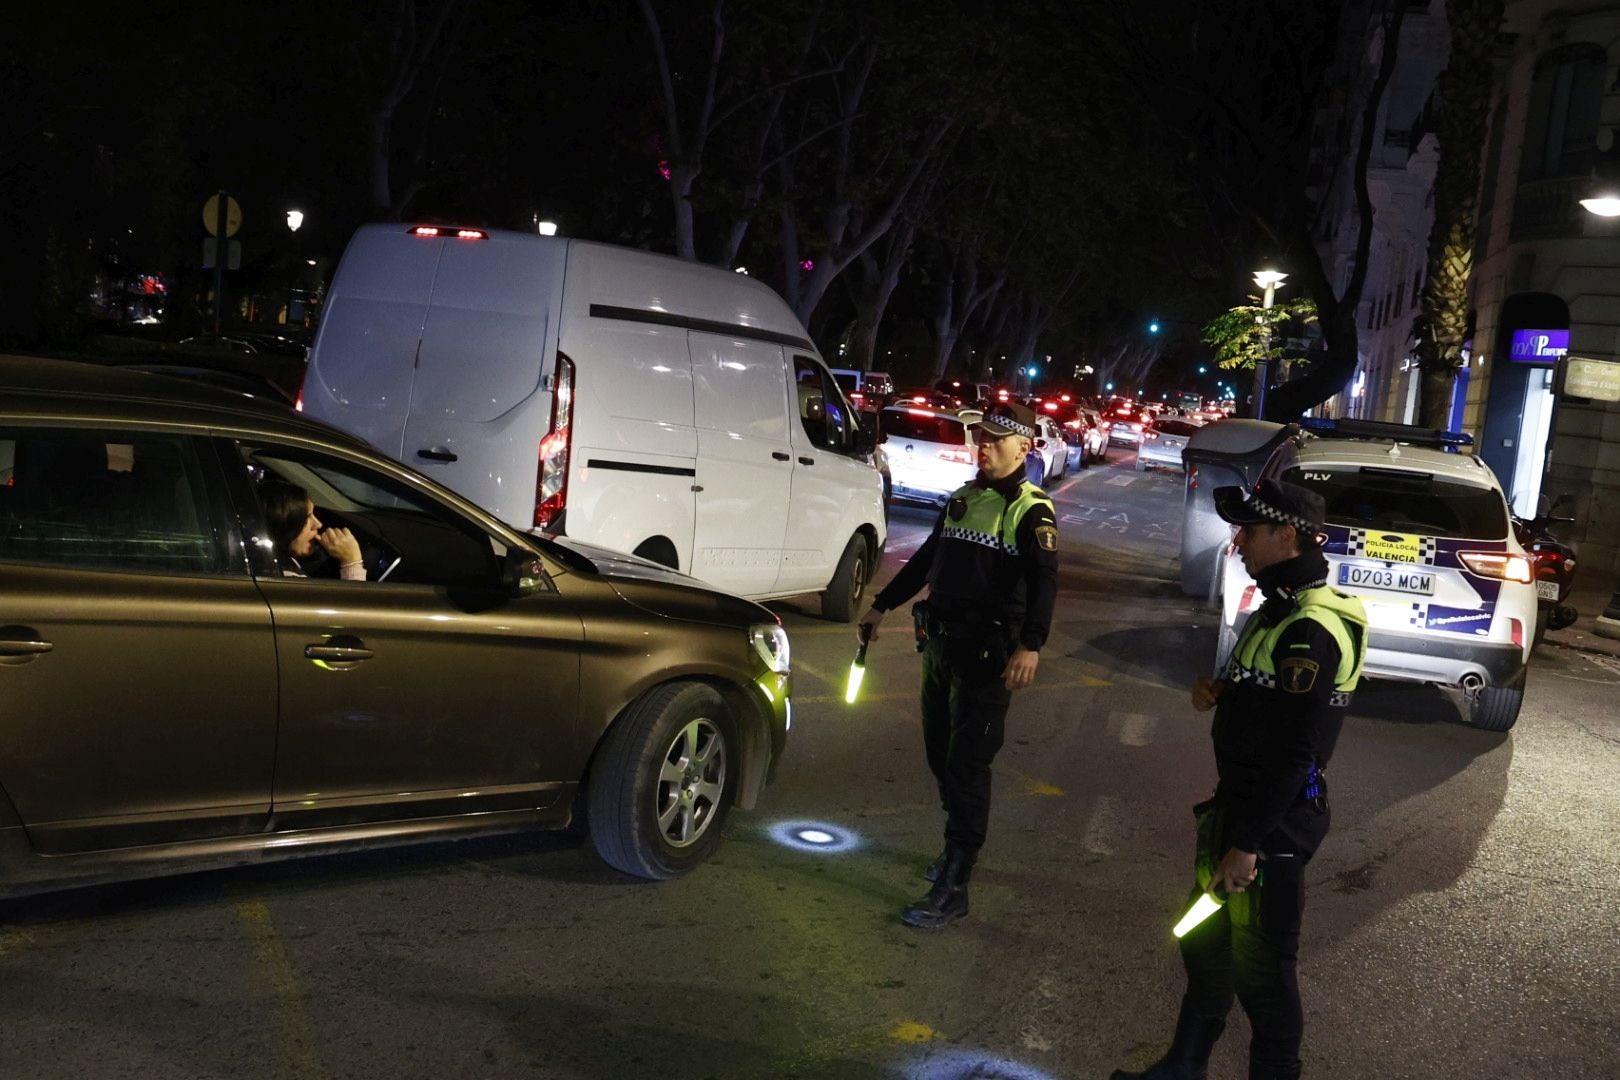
1224, 453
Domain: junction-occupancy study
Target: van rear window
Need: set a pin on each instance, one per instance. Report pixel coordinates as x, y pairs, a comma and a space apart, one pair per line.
1405, 502
903, 424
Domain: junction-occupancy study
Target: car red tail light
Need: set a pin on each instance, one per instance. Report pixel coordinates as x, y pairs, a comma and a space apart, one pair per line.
551, 485
1495, 564
1247, 603
961, 457
1192, 477
298, 403
1136, 427
1518, 632
1074, 424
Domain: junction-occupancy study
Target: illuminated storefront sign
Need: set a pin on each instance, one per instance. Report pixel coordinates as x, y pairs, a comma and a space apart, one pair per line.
1538, 346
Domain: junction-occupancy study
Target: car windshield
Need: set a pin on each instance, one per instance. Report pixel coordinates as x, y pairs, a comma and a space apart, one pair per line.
924, 426
1405, 501
1174, 427
845, 382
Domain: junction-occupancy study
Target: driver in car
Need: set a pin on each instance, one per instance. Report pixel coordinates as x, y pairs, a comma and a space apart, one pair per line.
296, 532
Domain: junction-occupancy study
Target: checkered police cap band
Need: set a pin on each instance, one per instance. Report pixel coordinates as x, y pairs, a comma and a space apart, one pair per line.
1265, 509
1009, 424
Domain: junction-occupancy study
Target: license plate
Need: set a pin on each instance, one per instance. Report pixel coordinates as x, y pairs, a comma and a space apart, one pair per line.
1547, 590
1390, 579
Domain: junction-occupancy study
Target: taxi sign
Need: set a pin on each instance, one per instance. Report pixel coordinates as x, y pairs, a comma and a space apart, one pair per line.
1392, 547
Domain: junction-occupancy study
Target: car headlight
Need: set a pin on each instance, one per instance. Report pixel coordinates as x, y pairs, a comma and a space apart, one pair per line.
771, 642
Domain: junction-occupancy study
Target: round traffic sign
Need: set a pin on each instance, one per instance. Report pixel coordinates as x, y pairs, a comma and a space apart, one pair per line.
233, 215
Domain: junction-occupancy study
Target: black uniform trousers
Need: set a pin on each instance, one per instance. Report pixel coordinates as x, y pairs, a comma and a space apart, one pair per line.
1250, 947
964, 712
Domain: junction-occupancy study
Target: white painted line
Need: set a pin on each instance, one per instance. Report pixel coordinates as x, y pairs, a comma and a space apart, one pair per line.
1135, 729
1065, 486
1121, 481
1101, 827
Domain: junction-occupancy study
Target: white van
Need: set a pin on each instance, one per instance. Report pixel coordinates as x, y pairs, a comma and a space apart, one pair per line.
624, 399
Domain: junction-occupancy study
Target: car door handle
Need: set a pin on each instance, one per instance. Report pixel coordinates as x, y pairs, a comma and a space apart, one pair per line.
22, 641
779, 456
436, 453
351, 653
807, 461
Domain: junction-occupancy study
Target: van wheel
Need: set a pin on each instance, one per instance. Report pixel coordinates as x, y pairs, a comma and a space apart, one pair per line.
842, 600
1496, 708
658, 549
664, 780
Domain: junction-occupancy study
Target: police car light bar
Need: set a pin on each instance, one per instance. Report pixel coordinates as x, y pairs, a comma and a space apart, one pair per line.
1377, 429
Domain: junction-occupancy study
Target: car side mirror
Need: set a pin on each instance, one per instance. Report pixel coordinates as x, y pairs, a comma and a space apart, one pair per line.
522, 573
865, 440
1041, 444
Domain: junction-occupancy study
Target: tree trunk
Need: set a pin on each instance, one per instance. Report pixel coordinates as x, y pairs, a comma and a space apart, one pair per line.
1464, 105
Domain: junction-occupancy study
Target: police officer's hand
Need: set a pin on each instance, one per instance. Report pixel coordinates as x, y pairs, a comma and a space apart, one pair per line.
1206, 692
1235, 872
872, 617
1020, 670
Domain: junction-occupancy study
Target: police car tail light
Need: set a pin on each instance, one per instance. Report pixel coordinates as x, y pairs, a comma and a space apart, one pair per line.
1518, 632
961, 457
1495, 564
551, 485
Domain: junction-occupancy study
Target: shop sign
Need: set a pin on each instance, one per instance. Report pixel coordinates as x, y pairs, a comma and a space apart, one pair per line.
1538, 346
1598, 380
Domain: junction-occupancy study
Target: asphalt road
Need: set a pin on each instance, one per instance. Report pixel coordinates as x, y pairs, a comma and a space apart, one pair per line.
1462, 920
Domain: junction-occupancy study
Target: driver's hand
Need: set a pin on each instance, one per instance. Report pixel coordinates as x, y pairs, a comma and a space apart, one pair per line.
340, 544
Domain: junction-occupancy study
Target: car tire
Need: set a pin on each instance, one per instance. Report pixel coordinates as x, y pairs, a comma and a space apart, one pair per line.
1496, 708
841, 602
649, 760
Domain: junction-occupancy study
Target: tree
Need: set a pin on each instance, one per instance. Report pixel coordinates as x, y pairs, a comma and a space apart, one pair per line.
1244, 336
1464, 95
421, 40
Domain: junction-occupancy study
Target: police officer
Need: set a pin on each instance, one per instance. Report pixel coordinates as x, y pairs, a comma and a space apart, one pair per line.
1278, 710
991, 567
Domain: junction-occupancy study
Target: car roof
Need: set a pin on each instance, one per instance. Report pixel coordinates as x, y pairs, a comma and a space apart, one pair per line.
1388, 454
40, 388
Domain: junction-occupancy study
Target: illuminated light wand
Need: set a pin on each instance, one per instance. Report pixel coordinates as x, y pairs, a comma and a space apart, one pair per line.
1207, 904
857, 670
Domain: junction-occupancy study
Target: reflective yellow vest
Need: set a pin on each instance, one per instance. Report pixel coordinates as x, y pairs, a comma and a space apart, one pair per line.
991, 521
1333, 611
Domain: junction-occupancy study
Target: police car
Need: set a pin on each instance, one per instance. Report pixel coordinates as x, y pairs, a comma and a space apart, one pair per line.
1423, 535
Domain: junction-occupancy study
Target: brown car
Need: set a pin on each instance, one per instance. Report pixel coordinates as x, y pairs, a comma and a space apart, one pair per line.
176, 692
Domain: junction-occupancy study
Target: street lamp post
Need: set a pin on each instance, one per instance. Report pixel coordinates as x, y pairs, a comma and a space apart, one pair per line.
1268, 280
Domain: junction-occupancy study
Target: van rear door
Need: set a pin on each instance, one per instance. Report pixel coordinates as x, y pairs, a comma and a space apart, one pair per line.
477, 411
745, 461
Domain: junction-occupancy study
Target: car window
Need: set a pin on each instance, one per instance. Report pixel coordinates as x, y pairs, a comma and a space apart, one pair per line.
924, 426
1405, 501
405, 536
109, 500
1174, 427
827, 418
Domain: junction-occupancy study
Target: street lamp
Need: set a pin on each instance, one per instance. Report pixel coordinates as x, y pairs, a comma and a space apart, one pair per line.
1270, 281
547, 228
295, 219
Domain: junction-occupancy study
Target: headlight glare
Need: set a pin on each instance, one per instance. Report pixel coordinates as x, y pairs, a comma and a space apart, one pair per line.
771, 642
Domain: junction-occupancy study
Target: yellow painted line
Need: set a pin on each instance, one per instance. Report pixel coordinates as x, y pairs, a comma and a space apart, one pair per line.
12, 940
297, 1037
913, 1032
1039, 787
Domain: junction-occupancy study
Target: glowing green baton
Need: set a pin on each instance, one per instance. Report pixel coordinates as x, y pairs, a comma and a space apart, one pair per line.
1206, 905
857, 670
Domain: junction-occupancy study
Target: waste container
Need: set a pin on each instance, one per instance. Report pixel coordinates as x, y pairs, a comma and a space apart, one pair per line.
1224, 453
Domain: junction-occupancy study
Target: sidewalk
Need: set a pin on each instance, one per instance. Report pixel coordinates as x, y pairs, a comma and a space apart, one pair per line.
1589, 600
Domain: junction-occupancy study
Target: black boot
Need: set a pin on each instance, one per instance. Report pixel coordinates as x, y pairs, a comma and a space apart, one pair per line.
947, 901
1188, 1056
932, 873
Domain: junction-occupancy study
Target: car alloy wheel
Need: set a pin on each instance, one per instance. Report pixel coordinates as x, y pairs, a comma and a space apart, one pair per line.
690, 782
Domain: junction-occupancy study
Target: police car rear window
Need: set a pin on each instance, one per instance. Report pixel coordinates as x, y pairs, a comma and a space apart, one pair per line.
904, 424
1398, 500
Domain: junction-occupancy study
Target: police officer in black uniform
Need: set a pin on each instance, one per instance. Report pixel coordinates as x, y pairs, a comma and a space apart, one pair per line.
1278, 708
991, 568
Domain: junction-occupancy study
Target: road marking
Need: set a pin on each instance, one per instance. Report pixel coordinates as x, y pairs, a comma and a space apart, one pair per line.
1120, 481
1135, 729
1084, 682
297, 1037
1101, 826
1065, 486
911, 1031
1039, 787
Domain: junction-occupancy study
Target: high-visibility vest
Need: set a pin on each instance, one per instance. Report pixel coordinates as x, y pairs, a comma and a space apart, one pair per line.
992, 521
1254, 657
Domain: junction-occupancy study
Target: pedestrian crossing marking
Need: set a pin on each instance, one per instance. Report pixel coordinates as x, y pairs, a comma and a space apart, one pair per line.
1101, 825
1135, 729
1120, 481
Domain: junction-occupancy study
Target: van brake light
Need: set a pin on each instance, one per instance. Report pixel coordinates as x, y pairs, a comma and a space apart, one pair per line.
551, 483
430, 231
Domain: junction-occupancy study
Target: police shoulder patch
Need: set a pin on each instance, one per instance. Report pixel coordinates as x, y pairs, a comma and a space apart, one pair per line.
1046, 536
1297, 675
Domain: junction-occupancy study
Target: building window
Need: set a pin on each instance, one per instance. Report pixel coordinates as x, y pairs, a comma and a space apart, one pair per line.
1561, 133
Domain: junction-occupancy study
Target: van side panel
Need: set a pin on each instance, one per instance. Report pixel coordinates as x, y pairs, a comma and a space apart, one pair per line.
490, 337
361, 367
744, 461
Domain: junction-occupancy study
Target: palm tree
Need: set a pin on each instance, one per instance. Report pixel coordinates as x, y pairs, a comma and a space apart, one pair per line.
1464, 101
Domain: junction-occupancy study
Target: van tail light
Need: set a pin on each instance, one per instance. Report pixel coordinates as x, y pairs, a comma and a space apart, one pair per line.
431, 231
298, 402
961, 457
1192, 478
1518, 632
1495, 564
551, 485
1247, 603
